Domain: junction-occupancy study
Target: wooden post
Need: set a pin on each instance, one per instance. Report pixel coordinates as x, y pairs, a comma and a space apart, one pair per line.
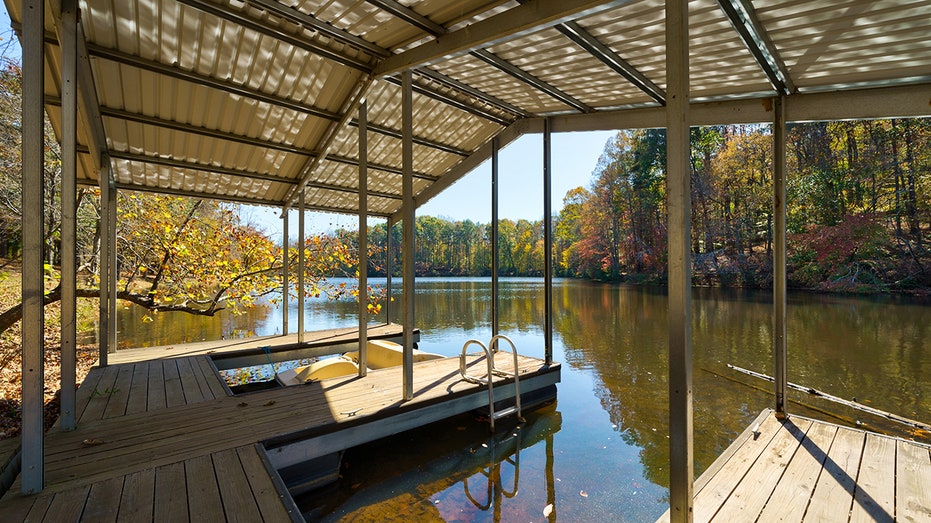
780, 352
114, 269
285, 272
389, 269
103, 304
548, 240
363, 239
681, 475
69, 111
300, 267
407, 278
495, 287
33, 323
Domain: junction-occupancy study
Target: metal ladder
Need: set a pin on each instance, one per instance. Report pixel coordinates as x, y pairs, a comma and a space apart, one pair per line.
488, 378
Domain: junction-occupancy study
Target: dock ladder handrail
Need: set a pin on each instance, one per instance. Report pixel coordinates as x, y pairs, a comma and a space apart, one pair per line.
488, 379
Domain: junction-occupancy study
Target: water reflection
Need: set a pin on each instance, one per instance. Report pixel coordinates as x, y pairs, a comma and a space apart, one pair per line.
453, 471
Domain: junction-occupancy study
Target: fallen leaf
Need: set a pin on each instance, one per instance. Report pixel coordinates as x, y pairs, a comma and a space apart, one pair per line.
90, 442
547, 510
583, 493
242, 404
269, 403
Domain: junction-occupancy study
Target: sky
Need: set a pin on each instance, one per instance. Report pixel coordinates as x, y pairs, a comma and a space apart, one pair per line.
520, 179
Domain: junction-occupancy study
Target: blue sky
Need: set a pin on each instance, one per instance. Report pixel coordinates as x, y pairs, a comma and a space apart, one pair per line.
520, 174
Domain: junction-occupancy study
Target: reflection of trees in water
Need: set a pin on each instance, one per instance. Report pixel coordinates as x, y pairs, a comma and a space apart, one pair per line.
845, 346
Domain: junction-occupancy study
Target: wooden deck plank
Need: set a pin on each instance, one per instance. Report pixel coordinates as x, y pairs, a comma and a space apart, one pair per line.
189, 382
99, 395
174, 392
103, 501
238, 501
913, 475
874, 498
171, 503
85, 391
789, 499
202, 491
16, 506
38, 510
833, 494
138, 390
67, 506
136, 503
169, 435
156, 398
211, 377
719, 487
263, 488
751, 494
119, 396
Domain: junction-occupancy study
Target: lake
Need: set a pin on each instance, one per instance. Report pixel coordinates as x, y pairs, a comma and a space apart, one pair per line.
601, 451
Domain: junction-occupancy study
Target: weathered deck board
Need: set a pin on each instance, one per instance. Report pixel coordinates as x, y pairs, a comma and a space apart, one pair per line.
152, 457
806, 470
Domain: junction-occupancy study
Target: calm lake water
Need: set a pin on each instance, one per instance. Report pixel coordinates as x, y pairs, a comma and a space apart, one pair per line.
600, 452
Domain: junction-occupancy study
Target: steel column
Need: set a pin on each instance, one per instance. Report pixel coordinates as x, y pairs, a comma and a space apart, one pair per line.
389, 268
548, 240
780, 352
114, 269
407, 278
103, 262
69, 111
494, 237
363, 239
300, 267
681, 470
285, 272
33, 342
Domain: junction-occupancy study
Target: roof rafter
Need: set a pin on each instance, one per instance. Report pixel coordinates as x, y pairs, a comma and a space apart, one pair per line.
263, 27
195, 194
529, 79
449, 100
207, 81
508, 25
743, 18
471, 91
594, 47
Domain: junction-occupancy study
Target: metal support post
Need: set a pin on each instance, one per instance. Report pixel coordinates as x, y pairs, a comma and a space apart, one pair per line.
495, 287
114, 269
300, 267
780, 352
407, 278
285, 272
681, 470
33, 340
548, 240
103, 263
363, 239
69, 111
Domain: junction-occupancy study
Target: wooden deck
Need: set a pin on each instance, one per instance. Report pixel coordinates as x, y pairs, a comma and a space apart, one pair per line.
806, 470
278, 343
166, 435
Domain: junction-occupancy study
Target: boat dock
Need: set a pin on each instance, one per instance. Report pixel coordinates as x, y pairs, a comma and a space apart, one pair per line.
800, 469
167, 439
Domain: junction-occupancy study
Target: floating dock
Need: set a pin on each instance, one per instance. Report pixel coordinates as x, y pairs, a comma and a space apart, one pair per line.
800, 469
166, 439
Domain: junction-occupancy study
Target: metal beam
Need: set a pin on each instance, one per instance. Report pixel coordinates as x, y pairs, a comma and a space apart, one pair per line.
363, 239
300, 266
193, 194
508, 25
452, 102
300, 18
213, 169
409, 15
241, 19
387, 131
780, 351
744, 20
494, 237
285, 273
33, 291
681, 468
69, 141
407, 296
594, 47
207, 81
531, 80
547, 242
468, 90
381, 167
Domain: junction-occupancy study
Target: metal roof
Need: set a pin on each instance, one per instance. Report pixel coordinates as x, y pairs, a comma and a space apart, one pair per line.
248, 100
